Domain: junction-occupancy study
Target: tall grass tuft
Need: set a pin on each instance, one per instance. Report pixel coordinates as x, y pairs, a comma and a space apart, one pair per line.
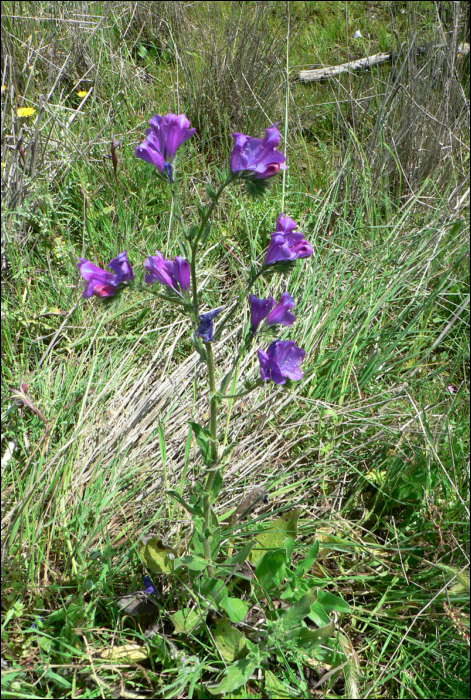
233, 68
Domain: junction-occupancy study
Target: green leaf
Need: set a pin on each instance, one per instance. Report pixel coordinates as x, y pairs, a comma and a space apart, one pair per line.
214, 542
276, 688
271, 569
156, 556
216, 485
163, 452
306, 639
274, 535
235, 608
236, 675
213, 590
186, 620
203, 438
193, 509
229, 640
297, 612
241, 555
190, 562
304, 565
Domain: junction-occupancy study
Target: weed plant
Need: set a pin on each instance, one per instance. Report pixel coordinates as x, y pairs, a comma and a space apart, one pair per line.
373, 442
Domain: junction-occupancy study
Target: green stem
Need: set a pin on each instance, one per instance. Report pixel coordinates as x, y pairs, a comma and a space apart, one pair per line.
214, 449
194, 244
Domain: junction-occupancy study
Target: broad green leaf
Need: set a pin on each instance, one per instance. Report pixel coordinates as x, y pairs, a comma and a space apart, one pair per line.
203, 438
271, 569
235, 608
306, 638
191, 562
213, 590
273, 536
308, 561
288, 544
186, 620
276, 688
325, 604
297, 612
236, 675
156, 556
229, 640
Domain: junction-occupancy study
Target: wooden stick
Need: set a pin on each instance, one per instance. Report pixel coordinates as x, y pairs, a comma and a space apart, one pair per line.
321, 73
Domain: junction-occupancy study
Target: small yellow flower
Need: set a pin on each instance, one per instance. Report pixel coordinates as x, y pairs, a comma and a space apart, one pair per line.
4, 87
82, 93
3, 164
25, 111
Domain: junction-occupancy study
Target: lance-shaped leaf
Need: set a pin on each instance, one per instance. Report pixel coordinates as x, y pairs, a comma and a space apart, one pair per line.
237, 674
229, 640
203, 438
306, 638
273, 536
297, 612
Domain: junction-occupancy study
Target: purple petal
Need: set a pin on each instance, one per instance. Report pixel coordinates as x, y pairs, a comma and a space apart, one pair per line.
179, 268
100, 282
269, 369
289, 359
156, 268
148, 586
259, 309
277, 250
205, 329
120, 265
285, 224
281, 313
148, 152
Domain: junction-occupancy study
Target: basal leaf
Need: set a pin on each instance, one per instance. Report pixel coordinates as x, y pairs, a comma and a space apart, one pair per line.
276, 688
273, 536
297, 612
237, 674
156, 556
271, 569
229, 640
306, 563
306, 638
186, 620
235, 608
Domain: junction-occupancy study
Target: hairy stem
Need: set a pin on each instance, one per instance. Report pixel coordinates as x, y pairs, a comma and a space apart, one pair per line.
214, 450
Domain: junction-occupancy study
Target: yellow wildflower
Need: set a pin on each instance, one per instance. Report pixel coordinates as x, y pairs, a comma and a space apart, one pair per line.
4, 87
82, 93
25, 111
3, 164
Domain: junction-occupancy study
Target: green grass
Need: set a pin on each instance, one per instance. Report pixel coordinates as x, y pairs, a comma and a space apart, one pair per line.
371, 444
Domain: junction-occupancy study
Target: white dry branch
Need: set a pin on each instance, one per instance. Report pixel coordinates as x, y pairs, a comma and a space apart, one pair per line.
329, 71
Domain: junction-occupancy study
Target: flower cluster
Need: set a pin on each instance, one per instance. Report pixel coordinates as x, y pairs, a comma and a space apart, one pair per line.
254, 161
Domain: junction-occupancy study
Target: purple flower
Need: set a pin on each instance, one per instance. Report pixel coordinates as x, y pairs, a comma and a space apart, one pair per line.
205, 329
172, 273
281, 361
281, 313
259, 309
101, 282
451, 389
162, 140
286, 243
257, 155
149, 587
263, 308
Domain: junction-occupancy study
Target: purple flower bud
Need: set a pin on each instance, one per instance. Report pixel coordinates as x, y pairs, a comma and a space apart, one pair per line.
259, 309
258, 155
102, 283
172, 273
281, 313
281, 361
149, 587
205, 329
162, 140
286, 244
